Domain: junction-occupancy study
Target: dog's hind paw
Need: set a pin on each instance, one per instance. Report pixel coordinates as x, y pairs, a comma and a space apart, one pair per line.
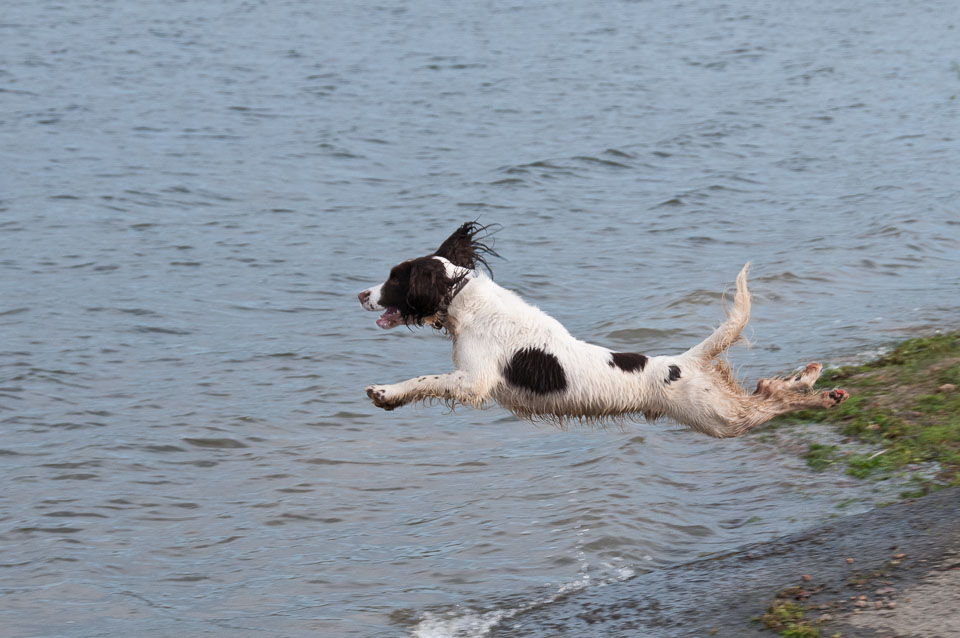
808, 376
837, 396
378, 394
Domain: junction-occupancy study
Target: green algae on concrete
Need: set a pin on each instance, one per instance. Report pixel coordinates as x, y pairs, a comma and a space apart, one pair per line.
787, 617
905, 405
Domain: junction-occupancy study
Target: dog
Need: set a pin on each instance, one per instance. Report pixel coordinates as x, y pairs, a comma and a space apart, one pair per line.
511, 352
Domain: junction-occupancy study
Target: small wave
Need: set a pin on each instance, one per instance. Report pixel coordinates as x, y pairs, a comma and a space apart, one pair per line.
508, 181
641, 335
468, 625
698, 298
673, 201
476, 623
215, 443
587, 159
161, 330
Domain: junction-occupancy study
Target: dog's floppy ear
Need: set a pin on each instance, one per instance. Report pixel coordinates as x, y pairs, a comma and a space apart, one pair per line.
465, 249
427, 288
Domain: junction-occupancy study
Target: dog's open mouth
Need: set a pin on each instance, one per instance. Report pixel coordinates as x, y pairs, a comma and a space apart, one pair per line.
390, 319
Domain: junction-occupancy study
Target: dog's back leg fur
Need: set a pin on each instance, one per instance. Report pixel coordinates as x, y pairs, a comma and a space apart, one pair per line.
739, 412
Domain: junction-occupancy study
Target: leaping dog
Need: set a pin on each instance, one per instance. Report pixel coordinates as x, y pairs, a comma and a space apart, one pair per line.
511, 352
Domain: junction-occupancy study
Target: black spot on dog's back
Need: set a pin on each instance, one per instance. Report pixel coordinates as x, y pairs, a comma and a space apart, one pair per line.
628, 361
674, 374
535, 370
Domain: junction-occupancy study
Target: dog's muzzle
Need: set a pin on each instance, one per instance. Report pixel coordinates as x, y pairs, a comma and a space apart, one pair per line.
391, 318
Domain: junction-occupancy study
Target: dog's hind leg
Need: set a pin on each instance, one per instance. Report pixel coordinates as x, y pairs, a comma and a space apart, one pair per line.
729, 332
803, 380
759, 408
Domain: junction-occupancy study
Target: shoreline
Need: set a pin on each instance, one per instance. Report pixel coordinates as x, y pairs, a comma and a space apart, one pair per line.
902, 554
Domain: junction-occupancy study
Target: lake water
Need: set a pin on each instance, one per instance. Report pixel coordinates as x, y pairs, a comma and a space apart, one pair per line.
192, 194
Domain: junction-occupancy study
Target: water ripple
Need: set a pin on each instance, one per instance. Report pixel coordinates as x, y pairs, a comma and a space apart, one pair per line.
192, 211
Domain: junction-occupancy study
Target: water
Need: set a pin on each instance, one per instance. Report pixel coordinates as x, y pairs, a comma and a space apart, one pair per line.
192, 194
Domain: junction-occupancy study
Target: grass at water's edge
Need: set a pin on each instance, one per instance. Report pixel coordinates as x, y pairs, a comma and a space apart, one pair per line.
903, 413
905, 405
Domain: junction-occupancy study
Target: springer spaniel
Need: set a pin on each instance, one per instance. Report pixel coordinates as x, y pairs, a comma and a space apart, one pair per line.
506, 350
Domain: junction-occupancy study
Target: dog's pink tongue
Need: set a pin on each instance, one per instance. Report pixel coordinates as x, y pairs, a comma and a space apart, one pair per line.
390, 318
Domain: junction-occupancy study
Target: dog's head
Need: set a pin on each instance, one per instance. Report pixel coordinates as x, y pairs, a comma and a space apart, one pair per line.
421, 289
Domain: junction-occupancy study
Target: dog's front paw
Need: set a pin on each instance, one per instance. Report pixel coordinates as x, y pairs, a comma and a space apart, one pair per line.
382, 397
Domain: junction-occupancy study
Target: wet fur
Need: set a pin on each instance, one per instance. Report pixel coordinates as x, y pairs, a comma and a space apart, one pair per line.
508, 351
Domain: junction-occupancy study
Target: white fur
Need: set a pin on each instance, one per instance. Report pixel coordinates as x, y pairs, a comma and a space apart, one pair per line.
370, 298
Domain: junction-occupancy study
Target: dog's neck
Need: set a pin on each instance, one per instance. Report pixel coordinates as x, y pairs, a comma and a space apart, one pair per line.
445, 319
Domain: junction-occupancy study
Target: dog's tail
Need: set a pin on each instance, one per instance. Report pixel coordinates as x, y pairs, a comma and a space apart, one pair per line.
729, 332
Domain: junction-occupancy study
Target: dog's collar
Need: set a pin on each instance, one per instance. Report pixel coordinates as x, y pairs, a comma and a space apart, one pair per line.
439, 319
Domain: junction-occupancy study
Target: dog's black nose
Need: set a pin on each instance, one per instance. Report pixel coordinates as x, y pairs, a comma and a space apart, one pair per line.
363, 296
